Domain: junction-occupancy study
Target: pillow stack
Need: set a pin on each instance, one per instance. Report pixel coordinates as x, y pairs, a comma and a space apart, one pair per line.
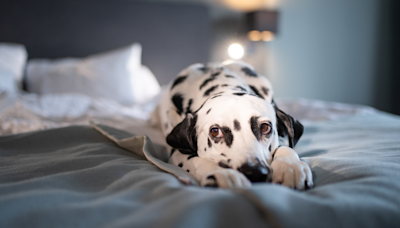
116, 74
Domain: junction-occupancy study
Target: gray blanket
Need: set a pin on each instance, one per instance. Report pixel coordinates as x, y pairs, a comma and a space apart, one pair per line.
76, 177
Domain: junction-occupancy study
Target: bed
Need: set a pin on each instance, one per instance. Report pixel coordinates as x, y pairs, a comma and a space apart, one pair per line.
75, 156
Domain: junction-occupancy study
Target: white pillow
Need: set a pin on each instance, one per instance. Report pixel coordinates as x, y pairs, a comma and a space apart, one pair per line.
12, 63
115, 74
145, 85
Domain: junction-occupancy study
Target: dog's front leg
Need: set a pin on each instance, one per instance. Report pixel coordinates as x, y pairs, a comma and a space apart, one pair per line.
288, 170
208, 172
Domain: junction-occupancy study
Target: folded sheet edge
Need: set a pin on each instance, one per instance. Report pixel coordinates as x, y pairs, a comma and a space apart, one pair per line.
142, 146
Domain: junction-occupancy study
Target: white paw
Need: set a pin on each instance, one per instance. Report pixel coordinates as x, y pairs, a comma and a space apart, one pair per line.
225, 178
291, 173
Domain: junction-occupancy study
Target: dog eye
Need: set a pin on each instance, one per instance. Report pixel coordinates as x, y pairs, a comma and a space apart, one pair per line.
216, 132
265, 129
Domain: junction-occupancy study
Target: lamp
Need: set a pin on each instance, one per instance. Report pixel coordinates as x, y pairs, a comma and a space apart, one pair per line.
261, 25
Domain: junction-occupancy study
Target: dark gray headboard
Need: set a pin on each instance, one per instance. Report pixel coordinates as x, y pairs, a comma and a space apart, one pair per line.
172, 35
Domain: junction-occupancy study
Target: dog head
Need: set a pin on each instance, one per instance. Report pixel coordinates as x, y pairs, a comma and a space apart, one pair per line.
237, 131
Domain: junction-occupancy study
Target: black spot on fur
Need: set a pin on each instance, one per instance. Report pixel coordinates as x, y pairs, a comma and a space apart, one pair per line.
229, 76
265, 90
210, 90
236, 124
215, 74
191, 156
172, 152
255, 90
241, 88
188, 171
224, 165
180, 164
254, 127
215, 96
249, 72
228, 136
183, 137
206, 82
224, 85
239, 94
269, 148
209, 143
188, 110
204, 68
223, 155
217, 140
177, 99
273, 103
205, 149
166, 125
229, 160
211, 177
178, 80
208, 111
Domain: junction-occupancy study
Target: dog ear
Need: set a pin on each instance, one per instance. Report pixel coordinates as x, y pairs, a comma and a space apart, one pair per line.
289, 126
183, 137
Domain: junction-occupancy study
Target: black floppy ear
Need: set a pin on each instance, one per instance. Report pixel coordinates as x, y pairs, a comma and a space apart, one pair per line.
289, 126
183, 137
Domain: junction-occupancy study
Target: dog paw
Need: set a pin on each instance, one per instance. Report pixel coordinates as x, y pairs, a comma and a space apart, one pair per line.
291, 173
225, 178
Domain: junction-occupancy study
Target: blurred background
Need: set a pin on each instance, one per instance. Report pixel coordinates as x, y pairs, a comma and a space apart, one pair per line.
333, 50
342, 50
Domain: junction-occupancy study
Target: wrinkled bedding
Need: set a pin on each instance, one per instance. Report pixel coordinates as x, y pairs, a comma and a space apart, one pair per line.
77, 177
21, 113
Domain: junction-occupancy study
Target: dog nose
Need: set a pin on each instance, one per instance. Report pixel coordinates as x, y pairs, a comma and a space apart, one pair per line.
255, 172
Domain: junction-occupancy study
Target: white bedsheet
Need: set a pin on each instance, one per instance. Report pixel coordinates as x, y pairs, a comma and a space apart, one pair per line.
29, 112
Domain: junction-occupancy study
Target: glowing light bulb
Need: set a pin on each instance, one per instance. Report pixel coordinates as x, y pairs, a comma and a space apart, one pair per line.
235, 51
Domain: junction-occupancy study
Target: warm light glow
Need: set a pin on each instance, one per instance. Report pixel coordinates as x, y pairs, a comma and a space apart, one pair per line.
244, 5
254, 35
235, 51
267, 35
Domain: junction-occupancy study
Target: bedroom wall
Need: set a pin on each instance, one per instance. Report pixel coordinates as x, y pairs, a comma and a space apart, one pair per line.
325, 50
341, 50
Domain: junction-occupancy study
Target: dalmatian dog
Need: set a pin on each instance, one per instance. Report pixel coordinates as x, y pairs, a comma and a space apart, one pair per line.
225, 129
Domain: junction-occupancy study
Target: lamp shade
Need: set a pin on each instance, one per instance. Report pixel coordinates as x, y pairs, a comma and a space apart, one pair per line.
262, 21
